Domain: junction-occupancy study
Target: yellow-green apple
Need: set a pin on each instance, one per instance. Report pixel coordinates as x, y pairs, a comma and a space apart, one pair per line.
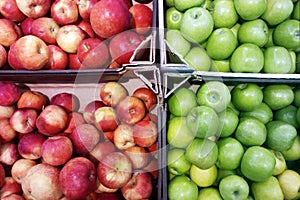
182, 186
141, 18
223, 13
20, 168
289, 181
9, 93
26, 25
147, 95
34, 8
177, 42
267, 189
234, 186
64, 11
69, 101
280, 165
139, 156
23, 120
9, 32
10, 10
7, 132
123, 136
101, 150
75, 119
106, 118
145, 133
89, 110
3, 56
58, 58
112, 93
173, 18
30, 145
186, 4
33, 99
9, 153
250, 10
46, 29
292, 153
198, 59
85, 7
177, 163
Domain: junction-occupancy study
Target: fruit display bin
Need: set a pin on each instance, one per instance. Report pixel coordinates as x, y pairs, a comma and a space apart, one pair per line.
179, 137
87, 88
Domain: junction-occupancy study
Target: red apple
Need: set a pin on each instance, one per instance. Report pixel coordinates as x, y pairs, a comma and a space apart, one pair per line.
52, 120
153, 149
145, 133
142, 18
147, 95
114, 65
14, 197
2, 175
9, 93
108, 196
103, 189
23, 120
12, 59
84, 138
114, 171
69, 37
26, 25
9, 32
74, 62
93, 53
128, 3
7, 133
101, 150
64, 11
123, 45
42, 182
20, 168
10, 10
139, 156
109, 136
85, 7
77, 178
46, 29
89, 110
109, 17
32, 52
34, 8
58, 58
10, 187
106, 119
152, 168
123, 136
33, 99
57, 150
112, 93
139, 186
9, 153
3, 56
75, 119
87, 28
131, 110
70, 102
6, 111
150, 117
30, 145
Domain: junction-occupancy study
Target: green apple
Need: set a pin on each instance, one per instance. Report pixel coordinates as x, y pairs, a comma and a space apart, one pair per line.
173, 18
298, 62
228, 122
251, 132
223, 13
246, 96
270, 41
182, 188
293, 57
250, 10
221, 44
280, 165
177, 42
206, 4
202, 152
222, 173
293, 153
203, 177
230, 154
210, 193
296, 101
278, 96
234, 187
247, 58
262, 112
258, 163
268, 189
278, 141
296, 11
288, 114
203, 121
182, 101
220, 65
235, 29
183, 5
255, 32
289, 182
169, 3
277, 11
177, 164
198, 59
196, 24
178, 134
286, 34
214, 94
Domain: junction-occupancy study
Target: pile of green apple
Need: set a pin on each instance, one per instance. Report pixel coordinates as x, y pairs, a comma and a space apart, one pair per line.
259, 36
234, 142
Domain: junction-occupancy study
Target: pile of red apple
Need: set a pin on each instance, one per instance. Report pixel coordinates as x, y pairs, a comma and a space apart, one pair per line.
51, 150
71, 34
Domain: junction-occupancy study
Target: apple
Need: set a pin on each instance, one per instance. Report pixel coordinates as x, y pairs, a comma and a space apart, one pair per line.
46, 29
152, 168
7, 132
89, 110
30, 145
198, 59
223, 13
52, 120
12, 60
234, 186
138, 155
34, 8
186, 4
20, 168
139, 186
173, 18
270, 188
93, 53
144, 1
182, 186
77, 178
196, 24
85, 7
131, 110
69, 37
145, 133
250, 10
10, 187
42, 182
13, 196
101, 150
9, 93
74, 63
69, 101
114, 171
108, 196
9, 153
3, 56
32, 52
23, 120
33, 99
64, 11
84, 138
87, 28
110, 17
9, 32
103, 189
26, 25
6, 111
2, 175
75, 119
112, 93
123, 45
106, 119
123, 136
141, 18
147, 95
58, 58
10, 10
177, 163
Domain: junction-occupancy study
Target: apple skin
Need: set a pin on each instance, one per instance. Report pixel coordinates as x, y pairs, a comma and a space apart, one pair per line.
7, 132
2, 175
52, 120
106, 119
110, 17
12, 60
3, 56
9, 93
139, 186
77, 178
145, 133
30, 145
23, 120
139, 156
250, 10
58, 58
33, 99
103, 189
9, 153
69, 101
9, 32
85, 7
7, 111
108, 196
10, 187
20, 168
14, 197
141, 18
26, 25
34, 8
64, 11
147, 95
112, 93
42, 182
75, 119
101, 150
123, 136
74, 63
46, 29
223, 13
10, 10
114, 171
89, 110
87, 28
